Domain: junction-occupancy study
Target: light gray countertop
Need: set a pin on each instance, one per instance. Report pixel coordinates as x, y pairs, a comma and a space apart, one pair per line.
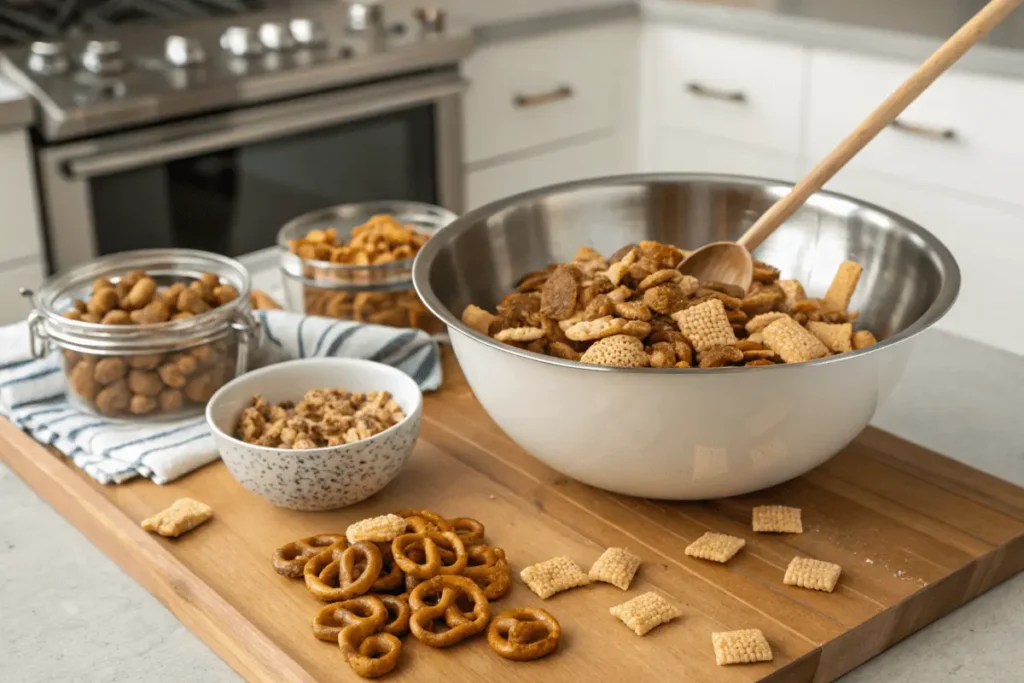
70, 614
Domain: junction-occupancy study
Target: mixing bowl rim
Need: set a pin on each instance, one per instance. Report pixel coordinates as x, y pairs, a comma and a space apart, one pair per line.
944, 300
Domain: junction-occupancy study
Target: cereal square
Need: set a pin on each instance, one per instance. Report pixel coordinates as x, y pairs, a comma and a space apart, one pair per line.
839, 293
863, 339
554, 576
644, 612
745, 646
377, 529
759, 322
715, 547
616, 566
705, 325
183, 515
777, 519
813, 574
790, 340
838, 337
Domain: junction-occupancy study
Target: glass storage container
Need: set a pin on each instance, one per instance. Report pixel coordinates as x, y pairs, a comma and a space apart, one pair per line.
149, 370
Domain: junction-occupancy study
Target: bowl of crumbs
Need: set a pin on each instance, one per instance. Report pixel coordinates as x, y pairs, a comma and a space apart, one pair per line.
583, 341
316, 433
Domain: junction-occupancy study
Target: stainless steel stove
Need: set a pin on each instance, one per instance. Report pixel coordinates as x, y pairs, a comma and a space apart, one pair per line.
131, 75
211, 132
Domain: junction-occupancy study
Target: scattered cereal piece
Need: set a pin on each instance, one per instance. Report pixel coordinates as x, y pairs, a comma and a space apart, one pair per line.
719, 356
554, 576
843, 285
792, 342
589, 330
480, 320
519, 334
793, 290
759, 322
381, 529
560, 294
836, 336
705, 325
620, 351
616, 566
715, 547
812, 574
618, 270
661, 277
745, 646
863, 339
644, 612
183, 515
777, 519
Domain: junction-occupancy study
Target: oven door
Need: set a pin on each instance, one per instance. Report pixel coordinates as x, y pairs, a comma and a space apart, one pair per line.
227, 182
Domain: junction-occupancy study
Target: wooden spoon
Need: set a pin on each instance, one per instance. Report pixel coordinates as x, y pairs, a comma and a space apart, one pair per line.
731, 263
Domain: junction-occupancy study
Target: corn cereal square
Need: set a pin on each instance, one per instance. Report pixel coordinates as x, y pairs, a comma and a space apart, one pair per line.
838, 337
777, 519
792, 342
183, 515
377, 529
616, 566
715, 547
812, 574
745, 646
644, 612
839, 293
705, 325
554, 576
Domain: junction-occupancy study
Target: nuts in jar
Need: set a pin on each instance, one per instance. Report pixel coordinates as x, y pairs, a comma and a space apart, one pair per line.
380, 240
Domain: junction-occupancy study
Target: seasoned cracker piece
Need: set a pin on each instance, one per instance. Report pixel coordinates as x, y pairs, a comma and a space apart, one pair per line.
843, 285
589, 330
480, 320
666, 299
745, 646
633, 310
644, 612
759, 322
762, 298
554, 576
560, 294
620, 294
705, 325
812, 574
383, 529
586, 253
777, 519
719, 356
863, 339
183, 515
836, 336
636, 328
715, 547
792, 342
616, 566
793, 290
519, 334
660, 277
764, 272
619, 351
560, 349
618, 270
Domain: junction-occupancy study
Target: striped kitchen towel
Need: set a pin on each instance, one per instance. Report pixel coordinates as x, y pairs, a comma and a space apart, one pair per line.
32, 395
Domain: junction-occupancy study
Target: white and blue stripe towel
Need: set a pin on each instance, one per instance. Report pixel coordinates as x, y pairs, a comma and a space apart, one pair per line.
32, 395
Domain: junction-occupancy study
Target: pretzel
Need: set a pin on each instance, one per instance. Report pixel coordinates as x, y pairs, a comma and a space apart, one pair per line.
391, 576
331, 619
398, 613
433, 563
290, 559
425, 520
444, 593
488, 568
369, 653
523, 634
331, 575
469, 530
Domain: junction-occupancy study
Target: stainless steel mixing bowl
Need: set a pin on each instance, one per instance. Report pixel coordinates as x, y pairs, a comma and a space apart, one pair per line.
685, 434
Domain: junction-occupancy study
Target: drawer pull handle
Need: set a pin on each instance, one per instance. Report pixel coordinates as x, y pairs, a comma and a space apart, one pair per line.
560, 93
699, 90
924, 130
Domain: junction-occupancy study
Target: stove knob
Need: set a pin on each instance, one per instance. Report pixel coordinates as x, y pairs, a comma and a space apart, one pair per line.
241, 41
431, 19
182, 51
276, 36
364, 16
46, 57
308, 32
103, 57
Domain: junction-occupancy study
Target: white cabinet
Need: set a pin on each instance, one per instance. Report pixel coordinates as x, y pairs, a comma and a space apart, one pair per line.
20, 231
679, 151
30, 273
573, 162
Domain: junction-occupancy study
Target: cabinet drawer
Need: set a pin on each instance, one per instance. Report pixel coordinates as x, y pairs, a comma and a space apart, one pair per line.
535, 92
990, 280
734, 87
963, 133
20, 229
585, 160
13, 306
677, 151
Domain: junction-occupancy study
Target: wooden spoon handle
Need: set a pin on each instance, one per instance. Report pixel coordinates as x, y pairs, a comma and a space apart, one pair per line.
947, 55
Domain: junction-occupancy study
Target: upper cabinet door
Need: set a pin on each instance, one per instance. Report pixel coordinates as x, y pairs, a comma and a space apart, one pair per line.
729, 86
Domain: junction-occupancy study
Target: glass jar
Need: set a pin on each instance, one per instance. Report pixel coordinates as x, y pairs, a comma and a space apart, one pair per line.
382, 294
152, 371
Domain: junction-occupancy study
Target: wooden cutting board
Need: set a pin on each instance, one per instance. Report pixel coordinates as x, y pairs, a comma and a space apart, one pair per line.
917, 536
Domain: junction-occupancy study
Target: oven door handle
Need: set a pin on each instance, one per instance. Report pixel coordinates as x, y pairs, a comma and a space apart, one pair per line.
268, 122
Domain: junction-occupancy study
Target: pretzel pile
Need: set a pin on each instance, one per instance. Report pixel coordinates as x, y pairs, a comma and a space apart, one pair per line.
412, 572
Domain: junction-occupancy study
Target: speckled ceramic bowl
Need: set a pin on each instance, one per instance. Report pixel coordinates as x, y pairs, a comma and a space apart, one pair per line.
318, 478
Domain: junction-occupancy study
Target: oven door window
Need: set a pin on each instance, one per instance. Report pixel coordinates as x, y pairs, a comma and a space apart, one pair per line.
234, 201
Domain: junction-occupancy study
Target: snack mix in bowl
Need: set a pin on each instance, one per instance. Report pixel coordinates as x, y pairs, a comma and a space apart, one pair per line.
636, 310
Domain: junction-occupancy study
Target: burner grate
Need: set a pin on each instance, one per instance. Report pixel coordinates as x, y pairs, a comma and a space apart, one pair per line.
22, 21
